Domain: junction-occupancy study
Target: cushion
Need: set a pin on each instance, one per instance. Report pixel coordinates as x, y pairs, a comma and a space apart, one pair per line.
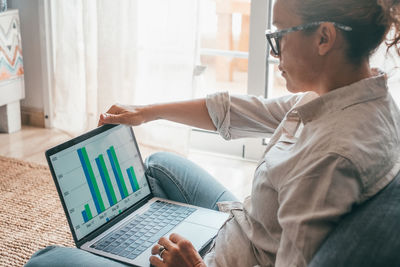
367, 236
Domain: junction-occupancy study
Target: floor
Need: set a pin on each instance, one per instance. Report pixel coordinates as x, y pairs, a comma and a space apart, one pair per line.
30, 144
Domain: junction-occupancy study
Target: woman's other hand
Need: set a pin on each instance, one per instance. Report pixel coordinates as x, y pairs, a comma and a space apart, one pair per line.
179, 252
121, 114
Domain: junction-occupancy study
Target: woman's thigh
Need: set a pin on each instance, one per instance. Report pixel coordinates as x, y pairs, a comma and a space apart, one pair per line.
177, 178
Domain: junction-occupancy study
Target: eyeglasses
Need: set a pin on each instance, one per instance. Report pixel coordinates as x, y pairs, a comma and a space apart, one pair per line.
274, 37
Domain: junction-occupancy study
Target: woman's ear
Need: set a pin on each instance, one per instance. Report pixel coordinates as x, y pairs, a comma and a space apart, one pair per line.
326, 35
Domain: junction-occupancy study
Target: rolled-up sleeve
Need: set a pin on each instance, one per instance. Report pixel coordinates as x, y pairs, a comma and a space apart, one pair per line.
312, 203
237, 116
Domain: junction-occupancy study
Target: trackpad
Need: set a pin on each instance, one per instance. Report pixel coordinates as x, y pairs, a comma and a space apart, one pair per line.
199, 235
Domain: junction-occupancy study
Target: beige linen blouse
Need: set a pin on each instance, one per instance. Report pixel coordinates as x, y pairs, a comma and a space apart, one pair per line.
326, 154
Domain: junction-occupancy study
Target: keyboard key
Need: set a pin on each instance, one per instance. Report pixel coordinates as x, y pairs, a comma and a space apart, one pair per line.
108, 249
117, 250
112, 247
137, 244
133, 255
129, 234
141, 248
160, 233
124, 253
130, 248
153, 231
126, 244
147, 244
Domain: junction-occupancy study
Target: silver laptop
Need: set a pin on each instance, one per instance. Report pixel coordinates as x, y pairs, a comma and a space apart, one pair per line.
110, 207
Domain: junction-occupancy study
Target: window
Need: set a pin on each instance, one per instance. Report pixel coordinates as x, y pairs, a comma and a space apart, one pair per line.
232, 57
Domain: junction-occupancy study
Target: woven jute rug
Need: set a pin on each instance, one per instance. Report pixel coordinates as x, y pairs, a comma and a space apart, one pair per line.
31, 215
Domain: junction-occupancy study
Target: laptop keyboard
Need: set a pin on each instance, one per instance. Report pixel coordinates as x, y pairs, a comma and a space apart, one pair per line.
143, 230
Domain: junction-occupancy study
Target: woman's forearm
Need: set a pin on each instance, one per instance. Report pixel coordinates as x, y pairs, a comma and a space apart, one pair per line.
190, 112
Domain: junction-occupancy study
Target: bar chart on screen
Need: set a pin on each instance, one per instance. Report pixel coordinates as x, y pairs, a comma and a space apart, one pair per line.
100, 178
106, 183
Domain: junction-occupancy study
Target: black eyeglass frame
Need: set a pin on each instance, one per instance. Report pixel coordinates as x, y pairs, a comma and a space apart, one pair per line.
278, 34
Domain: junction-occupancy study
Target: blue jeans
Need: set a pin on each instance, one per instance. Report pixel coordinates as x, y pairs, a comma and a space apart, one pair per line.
171, 177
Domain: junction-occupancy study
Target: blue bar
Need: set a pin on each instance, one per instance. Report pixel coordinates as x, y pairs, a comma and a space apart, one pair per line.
115, 173
103, 178
85, 218
85, 169
131, 180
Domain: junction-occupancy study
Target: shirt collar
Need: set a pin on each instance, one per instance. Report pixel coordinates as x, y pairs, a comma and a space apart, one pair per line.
341, 98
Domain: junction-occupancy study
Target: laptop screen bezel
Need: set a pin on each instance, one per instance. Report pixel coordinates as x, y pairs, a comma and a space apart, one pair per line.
116, 219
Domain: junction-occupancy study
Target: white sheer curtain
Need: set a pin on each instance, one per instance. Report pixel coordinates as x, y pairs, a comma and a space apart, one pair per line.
126, 51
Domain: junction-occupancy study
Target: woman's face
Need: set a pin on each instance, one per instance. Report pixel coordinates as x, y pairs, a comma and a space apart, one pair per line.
298, 59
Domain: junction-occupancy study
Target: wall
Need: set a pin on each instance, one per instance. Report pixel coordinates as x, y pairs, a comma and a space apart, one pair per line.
31, 50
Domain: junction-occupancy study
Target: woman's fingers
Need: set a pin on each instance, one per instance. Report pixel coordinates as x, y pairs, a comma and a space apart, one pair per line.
115, 109
124, 118
114, 115
187, 250
157, 262
175, 238
107, 118
166, 254
155, 250
165, 242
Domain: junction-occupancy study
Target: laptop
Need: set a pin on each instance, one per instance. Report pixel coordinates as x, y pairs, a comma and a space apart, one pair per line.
110, 207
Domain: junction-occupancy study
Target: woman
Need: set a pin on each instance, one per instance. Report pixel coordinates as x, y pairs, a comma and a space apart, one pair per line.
335, 142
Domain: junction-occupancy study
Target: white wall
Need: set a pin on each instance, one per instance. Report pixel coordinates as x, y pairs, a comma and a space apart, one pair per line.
29, 17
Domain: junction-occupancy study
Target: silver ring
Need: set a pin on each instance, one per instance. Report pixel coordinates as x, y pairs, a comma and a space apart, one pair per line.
161, 250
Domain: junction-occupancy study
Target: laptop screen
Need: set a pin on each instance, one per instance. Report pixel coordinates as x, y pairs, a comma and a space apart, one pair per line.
99, 178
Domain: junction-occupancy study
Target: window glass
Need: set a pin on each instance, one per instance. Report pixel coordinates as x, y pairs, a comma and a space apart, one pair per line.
222, 64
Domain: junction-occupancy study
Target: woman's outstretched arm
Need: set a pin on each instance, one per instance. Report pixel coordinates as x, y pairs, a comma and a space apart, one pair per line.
190, 112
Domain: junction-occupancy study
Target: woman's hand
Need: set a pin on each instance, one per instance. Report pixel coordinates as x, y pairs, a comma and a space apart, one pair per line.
120, 114
179, 252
